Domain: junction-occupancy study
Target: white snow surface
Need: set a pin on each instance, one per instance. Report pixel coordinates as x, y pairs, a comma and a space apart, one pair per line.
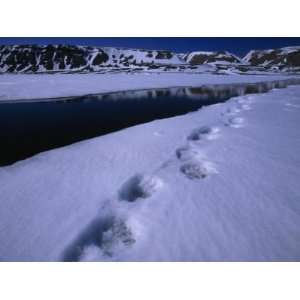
32, 86
219, 184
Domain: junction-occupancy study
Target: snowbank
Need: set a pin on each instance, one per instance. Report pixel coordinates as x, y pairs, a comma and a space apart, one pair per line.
219, 184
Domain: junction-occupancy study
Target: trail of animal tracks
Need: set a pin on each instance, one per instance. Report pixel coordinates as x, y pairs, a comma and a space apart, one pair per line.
218, 184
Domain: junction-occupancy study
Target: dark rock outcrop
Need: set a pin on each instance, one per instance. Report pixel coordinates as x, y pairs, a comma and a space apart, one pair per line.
69, 58
287, 58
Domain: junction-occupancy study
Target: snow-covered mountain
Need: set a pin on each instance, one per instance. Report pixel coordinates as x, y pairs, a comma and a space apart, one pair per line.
34, 58
285, 59
49, 58
204, 57
68, 58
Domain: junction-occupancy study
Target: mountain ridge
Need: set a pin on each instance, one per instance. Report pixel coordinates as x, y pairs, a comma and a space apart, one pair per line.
78, 58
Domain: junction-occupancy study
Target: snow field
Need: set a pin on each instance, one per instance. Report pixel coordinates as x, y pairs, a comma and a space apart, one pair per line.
218, 184
114, 234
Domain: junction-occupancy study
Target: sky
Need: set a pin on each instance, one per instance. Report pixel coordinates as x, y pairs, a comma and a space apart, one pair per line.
238, 46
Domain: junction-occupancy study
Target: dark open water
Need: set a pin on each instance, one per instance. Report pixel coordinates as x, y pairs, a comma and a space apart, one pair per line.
32, 127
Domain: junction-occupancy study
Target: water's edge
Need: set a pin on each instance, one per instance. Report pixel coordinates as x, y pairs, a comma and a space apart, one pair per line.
28, 128
261, 86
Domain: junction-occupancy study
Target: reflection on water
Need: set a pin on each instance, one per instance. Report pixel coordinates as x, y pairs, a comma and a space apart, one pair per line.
199, 93
33, 127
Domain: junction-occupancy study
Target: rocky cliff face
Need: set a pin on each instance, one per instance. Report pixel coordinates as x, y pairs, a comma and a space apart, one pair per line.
285, 59
201, 57
33, 58
68, 58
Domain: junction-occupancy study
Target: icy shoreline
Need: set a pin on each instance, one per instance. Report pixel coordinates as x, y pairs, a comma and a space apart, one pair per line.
29, 87
219, 184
